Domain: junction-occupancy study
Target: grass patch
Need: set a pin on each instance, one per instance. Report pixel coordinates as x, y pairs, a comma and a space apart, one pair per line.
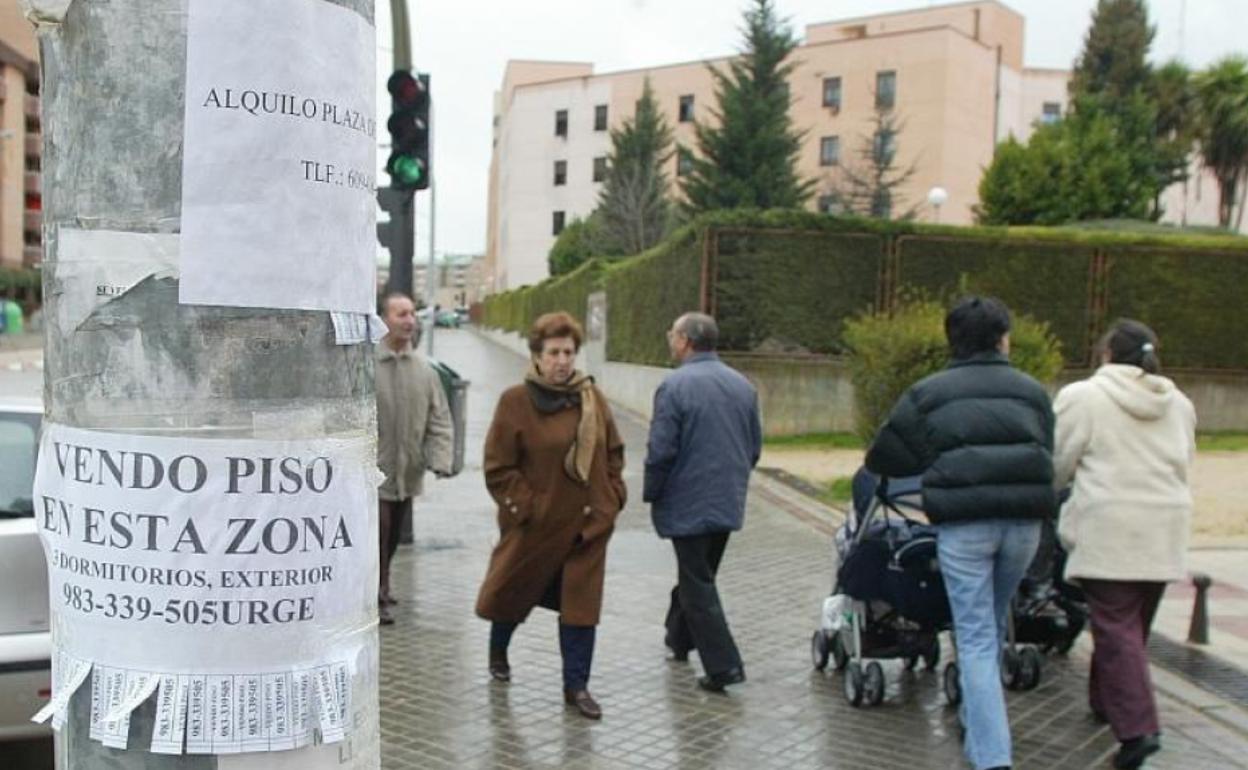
1218, 441
815, 441
837, 492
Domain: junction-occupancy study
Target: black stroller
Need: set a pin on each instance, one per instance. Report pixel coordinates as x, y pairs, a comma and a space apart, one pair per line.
889, 600
1049, 612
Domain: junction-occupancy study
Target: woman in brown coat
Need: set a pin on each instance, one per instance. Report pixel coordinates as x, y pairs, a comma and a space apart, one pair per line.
553, 463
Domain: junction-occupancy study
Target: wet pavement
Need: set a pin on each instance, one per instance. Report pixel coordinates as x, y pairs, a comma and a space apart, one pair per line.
439, 708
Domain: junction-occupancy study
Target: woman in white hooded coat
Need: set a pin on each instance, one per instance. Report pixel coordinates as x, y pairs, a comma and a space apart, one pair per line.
1126, 438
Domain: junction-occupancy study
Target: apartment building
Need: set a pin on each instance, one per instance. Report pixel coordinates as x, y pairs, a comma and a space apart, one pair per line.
459, 280
20, 141
953, 75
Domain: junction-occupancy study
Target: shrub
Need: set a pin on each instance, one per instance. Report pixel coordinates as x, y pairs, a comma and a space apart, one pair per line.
646, 293
888, 355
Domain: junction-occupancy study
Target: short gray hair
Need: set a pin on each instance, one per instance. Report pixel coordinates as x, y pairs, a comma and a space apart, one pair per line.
701, 329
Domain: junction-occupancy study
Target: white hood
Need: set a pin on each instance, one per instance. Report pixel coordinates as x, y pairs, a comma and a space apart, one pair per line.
1142, 395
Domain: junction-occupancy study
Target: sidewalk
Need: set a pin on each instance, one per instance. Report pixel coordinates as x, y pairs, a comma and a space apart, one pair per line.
21, 352
439, 708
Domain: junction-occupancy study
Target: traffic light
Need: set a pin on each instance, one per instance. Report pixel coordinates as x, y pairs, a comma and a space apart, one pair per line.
398, 236
409, 164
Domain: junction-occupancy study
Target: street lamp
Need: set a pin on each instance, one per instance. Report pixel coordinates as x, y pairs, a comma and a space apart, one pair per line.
937, 197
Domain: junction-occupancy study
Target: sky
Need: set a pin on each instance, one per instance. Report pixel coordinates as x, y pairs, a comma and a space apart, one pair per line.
465, 46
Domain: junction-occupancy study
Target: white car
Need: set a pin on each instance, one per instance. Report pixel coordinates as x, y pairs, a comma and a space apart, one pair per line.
25, 641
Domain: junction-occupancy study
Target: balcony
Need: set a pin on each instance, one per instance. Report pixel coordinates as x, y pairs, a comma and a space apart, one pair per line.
32, 255
32, 221
34, 183
32, 106
34, 145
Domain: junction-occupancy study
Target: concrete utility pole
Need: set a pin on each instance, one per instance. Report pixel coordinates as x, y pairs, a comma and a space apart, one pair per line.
113, 92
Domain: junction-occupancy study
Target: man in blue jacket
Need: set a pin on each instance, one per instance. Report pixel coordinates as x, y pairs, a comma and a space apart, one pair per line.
705, 438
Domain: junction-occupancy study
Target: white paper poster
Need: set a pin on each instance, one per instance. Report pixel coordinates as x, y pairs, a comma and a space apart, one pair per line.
279, 158
230, 578
94, 267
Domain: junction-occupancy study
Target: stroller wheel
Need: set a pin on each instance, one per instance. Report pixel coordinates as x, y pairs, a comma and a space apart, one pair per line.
819, 650
854, 686
1068, 641
1029, 668
840, 658
1011, 669
931, 658
873, 684
953, 689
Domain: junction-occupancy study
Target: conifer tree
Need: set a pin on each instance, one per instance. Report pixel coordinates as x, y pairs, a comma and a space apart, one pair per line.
747, 155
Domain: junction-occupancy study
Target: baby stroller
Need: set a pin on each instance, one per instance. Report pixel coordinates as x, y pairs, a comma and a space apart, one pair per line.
1049, 612
889, 599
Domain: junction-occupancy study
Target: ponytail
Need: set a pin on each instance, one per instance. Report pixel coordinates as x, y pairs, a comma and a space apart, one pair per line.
1131, 342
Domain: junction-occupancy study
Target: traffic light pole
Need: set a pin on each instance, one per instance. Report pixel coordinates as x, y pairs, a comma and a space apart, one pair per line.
431, 282
401, 240
401, 278
401, 35
144, 364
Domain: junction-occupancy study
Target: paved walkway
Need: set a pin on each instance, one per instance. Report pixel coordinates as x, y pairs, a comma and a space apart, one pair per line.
1227, 599
439, 708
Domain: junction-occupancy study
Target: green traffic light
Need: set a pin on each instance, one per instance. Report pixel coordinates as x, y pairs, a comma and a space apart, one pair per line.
407, 170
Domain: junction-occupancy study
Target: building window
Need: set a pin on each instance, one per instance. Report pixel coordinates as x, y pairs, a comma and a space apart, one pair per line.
884, 146
561, 123
686, 108
684, 161
885, 89
600, 117
600, 168
828, 205
832, 93
557, 223
1052, 112
830, 151
561, 173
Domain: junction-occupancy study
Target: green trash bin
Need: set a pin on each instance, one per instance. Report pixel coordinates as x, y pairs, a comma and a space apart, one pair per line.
12, 317
456, 389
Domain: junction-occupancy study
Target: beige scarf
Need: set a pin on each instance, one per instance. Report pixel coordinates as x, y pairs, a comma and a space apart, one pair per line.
589, 431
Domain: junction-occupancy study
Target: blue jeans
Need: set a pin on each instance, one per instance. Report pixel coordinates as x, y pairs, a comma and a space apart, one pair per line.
982, 563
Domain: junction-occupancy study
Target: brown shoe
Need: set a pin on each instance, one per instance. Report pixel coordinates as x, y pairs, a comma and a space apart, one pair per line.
500, 669
584, 703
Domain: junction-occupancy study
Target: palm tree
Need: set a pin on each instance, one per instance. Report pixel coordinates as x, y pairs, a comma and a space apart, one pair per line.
1222, 91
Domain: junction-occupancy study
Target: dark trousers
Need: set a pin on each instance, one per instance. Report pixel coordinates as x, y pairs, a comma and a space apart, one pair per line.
695, 619
1119, 686
390, 518
576, 644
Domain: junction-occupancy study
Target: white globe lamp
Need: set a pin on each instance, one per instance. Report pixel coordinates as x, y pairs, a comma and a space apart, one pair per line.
937, 197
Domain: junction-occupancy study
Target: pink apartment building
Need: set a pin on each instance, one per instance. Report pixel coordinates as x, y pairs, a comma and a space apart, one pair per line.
953, 74
20, 148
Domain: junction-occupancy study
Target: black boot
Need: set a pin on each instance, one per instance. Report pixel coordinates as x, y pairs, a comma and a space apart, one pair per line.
1134, 751
500, 669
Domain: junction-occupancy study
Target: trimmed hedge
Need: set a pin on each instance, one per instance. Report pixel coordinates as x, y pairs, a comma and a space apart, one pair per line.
1042, 279
1190, 299
15, 279
646, 293
786, 291
789, 280
568, 292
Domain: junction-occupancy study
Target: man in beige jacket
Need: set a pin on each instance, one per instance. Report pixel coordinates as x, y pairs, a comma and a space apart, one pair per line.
414, 431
